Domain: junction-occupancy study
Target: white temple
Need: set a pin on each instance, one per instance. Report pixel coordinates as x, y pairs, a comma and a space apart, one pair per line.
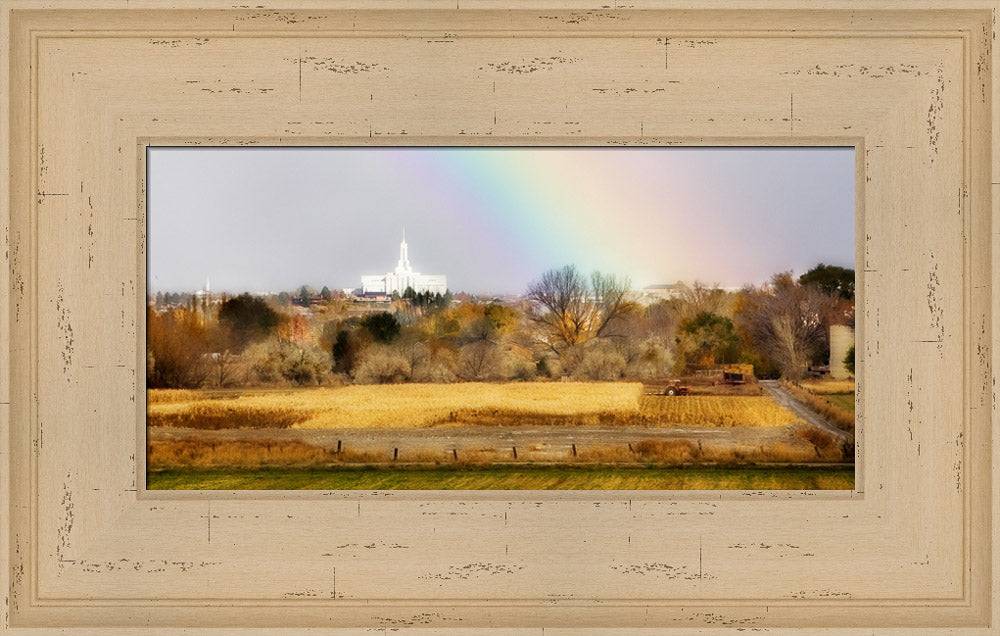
402, 277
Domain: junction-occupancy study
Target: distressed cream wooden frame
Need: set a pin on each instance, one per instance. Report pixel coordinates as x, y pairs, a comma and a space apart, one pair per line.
90, 82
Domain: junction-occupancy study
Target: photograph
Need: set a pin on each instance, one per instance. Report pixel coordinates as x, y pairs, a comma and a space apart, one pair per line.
500, 318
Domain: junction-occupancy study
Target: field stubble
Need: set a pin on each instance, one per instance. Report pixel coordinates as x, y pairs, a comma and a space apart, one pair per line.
483, 404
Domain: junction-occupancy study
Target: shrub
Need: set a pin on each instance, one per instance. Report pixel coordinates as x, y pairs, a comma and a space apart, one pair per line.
436, 363
828, 446
595, 360
480, 360
668, 450
382, 364
383, 327
650, 359
278, 361
519, 369
234, 453
603, 366
549, 367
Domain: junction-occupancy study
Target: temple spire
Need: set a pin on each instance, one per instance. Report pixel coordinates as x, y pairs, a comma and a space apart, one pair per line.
404, 259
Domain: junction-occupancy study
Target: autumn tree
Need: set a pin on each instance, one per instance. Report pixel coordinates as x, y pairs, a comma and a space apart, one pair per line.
248, 319
347, 348
838, 283
708, 338
501, 317
833, 280
176, 349
383, 327
783, 320
572, 309
295, 329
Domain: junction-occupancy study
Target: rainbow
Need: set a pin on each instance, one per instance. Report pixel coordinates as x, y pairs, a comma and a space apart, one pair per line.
725, 215
494, 219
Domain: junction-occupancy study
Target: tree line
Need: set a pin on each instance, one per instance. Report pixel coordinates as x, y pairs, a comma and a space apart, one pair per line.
568, 324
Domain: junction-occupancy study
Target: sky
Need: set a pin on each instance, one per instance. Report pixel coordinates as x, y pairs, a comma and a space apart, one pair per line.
493, 220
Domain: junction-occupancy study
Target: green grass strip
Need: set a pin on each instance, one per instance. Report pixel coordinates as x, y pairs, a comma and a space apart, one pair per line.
507, 478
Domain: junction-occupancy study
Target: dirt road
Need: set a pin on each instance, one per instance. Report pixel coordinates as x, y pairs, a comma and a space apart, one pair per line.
782, 397
542, 442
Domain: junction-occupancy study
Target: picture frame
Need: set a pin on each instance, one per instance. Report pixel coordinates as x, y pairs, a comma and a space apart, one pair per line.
90, 86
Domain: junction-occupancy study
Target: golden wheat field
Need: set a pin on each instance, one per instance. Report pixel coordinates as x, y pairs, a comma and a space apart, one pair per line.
422, 405
386, 406
717, 410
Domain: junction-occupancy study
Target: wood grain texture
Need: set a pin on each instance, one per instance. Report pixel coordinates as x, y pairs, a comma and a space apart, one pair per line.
90, 84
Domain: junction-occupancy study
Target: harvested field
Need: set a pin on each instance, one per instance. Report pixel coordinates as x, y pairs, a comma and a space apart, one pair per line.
714, 410
390, 406
461, 404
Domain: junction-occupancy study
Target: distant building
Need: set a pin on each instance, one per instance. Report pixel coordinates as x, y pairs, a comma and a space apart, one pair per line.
841, 340
401, 278
653, 293
204, 299
205, 293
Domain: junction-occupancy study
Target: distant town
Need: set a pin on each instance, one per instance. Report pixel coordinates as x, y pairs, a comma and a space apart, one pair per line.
384, 288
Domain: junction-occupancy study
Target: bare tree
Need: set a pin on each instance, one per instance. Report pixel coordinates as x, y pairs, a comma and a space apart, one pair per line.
611, 299
571, 309
784, 320
700, 298
222, 345
480, 360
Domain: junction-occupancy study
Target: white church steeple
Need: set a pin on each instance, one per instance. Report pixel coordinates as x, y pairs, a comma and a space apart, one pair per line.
403, 266
404, 277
